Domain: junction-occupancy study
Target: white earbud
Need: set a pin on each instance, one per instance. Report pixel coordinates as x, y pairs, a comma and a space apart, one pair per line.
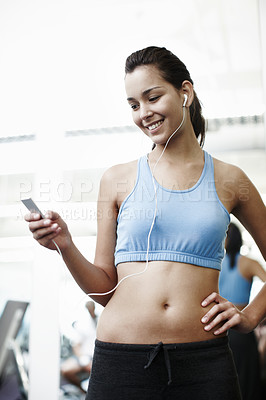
185, 100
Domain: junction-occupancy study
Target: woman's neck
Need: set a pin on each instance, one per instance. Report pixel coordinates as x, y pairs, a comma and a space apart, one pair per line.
178, 151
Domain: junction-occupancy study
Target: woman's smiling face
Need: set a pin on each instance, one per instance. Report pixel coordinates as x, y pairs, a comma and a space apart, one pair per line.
156, 104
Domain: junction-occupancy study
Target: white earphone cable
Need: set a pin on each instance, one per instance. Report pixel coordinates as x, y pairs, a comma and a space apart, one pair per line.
57, 248
154, 216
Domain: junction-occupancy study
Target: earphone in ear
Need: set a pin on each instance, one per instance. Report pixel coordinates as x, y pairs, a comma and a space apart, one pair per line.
185, 100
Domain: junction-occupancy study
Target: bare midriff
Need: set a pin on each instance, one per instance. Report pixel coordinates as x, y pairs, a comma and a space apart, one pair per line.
162, 304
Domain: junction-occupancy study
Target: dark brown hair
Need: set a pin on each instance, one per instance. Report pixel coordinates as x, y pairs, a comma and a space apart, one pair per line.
233, 243
174, 71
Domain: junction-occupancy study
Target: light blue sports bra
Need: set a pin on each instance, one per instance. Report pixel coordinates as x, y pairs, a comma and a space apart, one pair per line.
190, 225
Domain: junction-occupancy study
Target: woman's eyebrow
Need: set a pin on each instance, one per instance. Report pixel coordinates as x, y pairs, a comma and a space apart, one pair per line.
147, 91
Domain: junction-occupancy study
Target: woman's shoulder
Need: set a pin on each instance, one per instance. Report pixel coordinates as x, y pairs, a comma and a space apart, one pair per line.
120, 171
118, 180
231, 176
231, 183
225, 169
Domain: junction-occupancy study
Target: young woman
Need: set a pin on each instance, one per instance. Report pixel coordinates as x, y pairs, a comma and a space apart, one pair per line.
162, 240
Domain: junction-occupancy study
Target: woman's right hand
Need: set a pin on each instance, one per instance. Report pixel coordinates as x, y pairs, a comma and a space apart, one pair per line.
47, 229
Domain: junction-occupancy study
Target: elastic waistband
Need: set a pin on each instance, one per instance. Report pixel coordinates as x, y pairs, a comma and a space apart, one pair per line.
187, 346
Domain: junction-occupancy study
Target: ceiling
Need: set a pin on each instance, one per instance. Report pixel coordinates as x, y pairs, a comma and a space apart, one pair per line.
62, 61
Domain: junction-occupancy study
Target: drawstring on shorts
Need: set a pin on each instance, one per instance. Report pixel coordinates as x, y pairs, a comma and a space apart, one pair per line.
154, 353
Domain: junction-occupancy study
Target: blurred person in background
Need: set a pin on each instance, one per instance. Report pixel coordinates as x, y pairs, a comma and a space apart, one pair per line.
235, 284
77, 368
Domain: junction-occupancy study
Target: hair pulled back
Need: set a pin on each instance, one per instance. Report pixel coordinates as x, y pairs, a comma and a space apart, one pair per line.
233, 243
174, 71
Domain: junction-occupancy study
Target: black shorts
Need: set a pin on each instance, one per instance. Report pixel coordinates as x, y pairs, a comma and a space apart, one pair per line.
186, 371
246, 357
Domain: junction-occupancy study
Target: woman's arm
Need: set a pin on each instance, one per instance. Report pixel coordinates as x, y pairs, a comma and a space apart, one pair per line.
249, 268
97, 277
251, 212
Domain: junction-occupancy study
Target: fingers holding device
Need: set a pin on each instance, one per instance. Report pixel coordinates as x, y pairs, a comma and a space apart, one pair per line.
45, 227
